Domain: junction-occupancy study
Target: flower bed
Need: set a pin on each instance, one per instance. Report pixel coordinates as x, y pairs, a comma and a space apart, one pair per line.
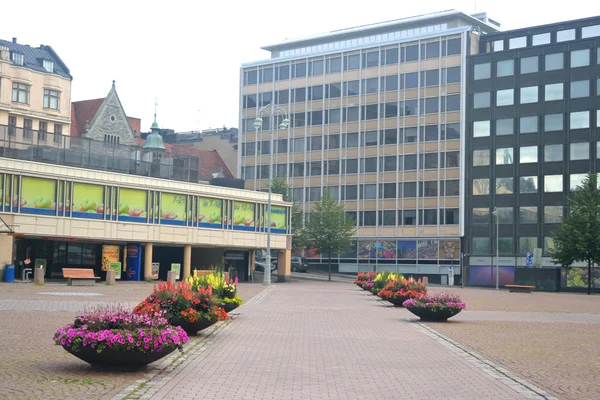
224, 289
363, 277
399, 290
192, 310
435, 307
111, 336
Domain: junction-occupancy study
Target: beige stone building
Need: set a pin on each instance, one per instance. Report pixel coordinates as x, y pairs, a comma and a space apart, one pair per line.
378, 119
35, 93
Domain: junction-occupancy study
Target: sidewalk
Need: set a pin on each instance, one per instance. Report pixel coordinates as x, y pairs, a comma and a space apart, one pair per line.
318, 340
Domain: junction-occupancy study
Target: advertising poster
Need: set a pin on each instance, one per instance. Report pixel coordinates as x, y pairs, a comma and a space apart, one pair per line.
278, 219
486, 275
177, 269
132, 205
88, 201
210, 212
134, 261
172, 211
428, 249
7, 202
110, 254
38, 196
243, 216
155, 269
373, 249
449, 250
115, 266
407, 249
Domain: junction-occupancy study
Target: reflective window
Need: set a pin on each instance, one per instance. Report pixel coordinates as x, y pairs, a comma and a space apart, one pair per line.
481, 158
529, 65
590, 31
390, 83
481, 216
452, 188
409, 217
579, 120
317, 67
553, 91
352, 88
504, 186
505, 245
529, 94
370, 59
412, 80
554, 61
504, 156
553, 214
528, 154
369, 191
499, 45
528, 124
567, 34
410, 189
351, 62
539, 39
504, 126
580, 89
370, 85
481, 128
549, 246
505, 68
528, 184
481, 100
553, 152
411, 53
528, 215
334, 65
597, 149
505, 215
451, 75
482, 71
410, 134
505, 97
410, 162
481, 245
580, 58
517, 43
553, 183
576, 181
389, 56
580, 151
527, 244
481, 186
452, 159
430, 189
553, 122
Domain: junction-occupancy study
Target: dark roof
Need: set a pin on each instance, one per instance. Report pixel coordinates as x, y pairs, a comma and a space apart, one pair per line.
33, 56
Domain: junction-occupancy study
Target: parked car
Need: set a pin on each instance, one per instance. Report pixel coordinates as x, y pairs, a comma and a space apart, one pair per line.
260, 266
299, 264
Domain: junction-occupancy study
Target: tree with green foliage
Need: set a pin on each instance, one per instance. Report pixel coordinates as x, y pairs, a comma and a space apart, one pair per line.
280, 186
578, 237
329, 230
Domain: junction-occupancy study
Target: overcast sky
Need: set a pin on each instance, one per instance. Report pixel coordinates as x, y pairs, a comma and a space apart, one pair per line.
188, 54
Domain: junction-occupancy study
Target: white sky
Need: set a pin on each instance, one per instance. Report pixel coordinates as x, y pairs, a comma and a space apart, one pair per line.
188, 54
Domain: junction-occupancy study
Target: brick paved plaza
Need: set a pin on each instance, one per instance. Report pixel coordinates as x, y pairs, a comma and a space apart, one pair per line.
318, 340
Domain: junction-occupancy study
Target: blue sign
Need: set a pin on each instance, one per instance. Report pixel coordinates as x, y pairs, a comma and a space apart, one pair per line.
528, 260
134, 261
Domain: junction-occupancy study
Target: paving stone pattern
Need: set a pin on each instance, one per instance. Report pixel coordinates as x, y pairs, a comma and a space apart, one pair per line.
325, 341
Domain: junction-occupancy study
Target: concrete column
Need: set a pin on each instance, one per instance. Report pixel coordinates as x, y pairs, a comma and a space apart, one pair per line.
148, 261
38, 276
187, 260
284, 265
111, 277
172, 277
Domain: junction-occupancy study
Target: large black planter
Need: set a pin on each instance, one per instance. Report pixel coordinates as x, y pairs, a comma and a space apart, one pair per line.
191, 328
132, 359
397, 301
228, 307
433, 315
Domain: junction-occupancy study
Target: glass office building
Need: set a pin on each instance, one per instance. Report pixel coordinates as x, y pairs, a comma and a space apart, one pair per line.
531, 138
377, 118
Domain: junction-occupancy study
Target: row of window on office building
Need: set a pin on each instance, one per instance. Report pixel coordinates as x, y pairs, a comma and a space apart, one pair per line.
527, 184
368, 59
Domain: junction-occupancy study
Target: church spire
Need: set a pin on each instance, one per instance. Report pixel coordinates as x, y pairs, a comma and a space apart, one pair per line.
155, 124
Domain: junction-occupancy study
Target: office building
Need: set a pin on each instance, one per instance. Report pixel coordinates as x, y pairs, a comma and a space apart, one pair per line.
377, 118
531, 138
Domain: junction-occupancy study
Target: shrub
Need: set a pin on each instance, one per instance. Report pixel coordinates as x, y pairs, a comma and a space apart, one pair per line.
437, 302
116, 328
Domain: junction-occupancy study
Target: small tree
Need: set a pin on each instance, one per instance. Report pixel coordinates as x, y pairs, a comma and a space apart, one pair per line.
329, 229
280, 186
578, 237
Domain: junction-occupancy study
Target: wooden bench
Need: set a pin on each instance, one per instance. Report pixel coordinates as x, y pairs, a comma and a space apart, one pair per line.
519, 288
80, 276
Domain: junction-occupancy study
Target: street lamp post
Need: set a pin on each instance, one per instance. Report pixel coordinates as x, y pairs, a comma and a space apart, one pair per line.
496, 219
271, 111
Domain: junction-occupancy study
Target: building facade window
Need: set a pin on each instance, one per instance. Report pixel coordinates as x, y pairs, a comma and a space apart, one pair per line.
504, 156
529, 65
481, 158
481, 100
481, 128
505, 68
580, 151
51, 99
553, 122
554, 61
504, 126
528, 184
553, 92
579, 120
529, 94
505, 97
580, 58
20, 93
553, 152
553, 214
553, 183
580, 89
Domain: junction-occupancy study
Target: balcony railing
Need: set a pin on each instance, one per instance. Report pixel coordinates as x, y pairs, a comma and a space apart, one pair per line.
45, 147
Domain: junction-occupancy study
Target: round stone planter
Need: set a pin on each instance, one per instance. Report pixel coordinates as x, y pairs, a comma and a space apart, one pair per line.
228, 307
434, 315
131, 359
191, 328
